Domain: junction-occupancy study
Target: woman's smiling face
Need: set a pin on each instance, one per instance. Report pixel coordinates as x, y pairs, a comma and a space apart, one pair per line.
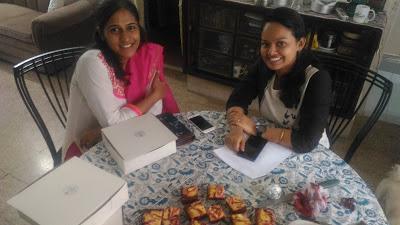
122, 34
279, 47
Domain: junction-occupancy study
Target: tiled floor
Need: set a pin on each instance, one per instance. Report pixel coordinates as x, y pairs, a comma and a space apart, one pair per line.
24, 157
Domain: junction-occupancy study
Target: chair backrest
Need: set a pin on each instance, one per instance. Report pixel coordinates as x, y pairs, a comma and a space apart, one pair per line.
353, 86
53, 71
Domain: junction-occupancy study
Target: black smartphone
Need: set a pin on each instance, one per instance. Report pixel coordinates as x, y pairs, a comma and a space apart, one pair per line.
254, 145
202, 123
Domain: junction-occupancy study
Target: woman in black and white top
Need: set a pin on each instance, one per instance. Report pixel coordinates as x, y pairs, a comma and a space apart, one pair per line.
294, 93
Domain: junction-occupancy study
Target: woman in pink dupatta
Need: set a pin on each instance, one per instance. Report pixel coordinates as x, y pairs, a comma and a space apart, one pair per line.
120, 79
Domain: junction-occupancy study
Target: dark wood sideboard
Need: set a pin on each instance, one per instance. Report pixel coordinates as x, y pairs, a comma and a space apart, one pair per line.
222, 39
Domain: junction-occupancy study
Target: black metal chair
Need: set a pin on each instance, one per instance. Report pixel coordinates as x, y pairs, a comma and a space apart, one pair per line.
53, 70
352, 85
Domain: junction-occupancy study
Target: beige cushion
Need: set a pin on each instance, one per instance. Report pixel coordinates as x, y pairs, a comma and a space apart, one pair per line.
15, 51
11, 10
17, 2
15, 22
19, 48
38, 5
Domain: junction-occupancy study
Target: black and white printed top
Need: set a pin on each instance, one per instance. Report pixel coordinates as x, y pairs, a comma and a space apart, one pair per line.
308, 119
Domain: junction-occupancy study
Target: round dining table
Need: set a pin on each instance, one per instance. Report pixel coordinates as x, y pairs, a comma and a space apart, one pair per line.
159, 184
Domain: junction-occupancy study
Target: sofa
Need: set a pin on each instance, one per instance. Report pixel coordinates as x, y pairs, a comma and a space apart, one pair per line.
27, 29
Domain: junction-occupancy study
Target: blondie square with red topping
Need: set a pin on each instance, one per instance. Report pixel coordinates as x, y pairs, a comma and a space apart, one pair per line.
236, 204
265, 217
153, 217
215, 213
171, 216
196, 210
197, 222
240, 219
216, 191
189, 194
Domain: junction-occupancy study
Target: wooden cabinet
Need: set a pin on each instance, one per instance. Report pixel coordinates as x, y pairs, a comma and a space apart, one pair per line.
222, 38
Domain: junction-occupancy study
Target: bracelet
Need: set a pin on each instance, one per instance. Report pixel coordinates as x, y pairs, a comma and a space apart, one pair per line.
282, 134
260, 130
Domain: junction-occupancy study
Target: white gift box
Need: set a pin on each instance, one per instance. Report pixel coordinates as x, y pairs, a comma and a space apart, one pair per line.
74, 193
139, 141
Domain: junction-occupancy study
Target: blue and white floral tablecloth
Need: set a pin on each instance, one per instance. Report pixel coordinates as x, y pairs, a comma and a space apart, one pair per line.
158, 185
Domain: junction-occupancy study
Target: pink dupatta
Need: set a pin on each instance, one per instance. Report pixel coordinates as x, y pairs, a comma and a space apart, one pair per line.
140, 68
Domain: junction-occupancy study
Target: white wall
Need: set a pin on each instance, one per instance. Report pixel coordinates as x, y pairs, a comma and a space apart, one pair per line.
387, 63
391, 113
391, 43
140, 6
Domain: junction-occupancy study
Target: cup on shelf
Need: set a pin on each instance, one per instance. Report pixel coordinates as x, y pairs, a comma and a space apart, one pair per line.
236, 71
328, 40
351, 7
363, 14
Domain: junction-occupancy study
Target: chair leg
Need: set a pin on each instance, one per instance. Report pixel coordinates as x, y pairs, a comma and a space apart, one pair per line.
57, 158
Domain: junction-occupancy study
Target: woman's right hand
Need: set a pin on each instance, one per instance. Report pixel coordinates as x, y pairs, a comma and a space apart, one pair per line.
235, 139
157, 91
234, 114
158, 87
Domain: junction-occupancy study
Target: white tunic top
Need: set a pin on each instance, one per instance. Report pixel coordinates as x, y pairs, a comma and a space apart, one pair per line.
97, 98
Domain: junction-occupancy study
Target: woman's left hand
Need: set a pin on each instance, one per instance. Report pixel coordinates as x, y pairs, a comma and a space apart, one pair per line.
246, 124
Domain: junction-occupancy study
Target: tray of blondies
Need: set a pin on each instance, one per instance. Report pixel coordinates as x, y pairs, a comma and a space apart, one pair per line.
210, 203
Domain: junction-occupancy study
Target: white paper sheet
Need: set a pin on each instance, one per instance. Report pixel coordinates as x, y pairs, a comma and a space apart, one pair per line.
270, 157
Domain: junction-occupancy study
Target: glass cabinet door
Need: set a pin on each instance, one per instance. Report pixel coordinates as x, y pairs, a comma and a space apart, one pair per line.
251, 24
217, 17
247, 49
216, 41
215, 63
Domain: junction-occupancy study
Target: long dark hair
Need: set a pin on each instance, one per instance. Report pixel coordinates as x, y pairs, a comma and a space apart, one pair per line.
290, 83
104, 12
